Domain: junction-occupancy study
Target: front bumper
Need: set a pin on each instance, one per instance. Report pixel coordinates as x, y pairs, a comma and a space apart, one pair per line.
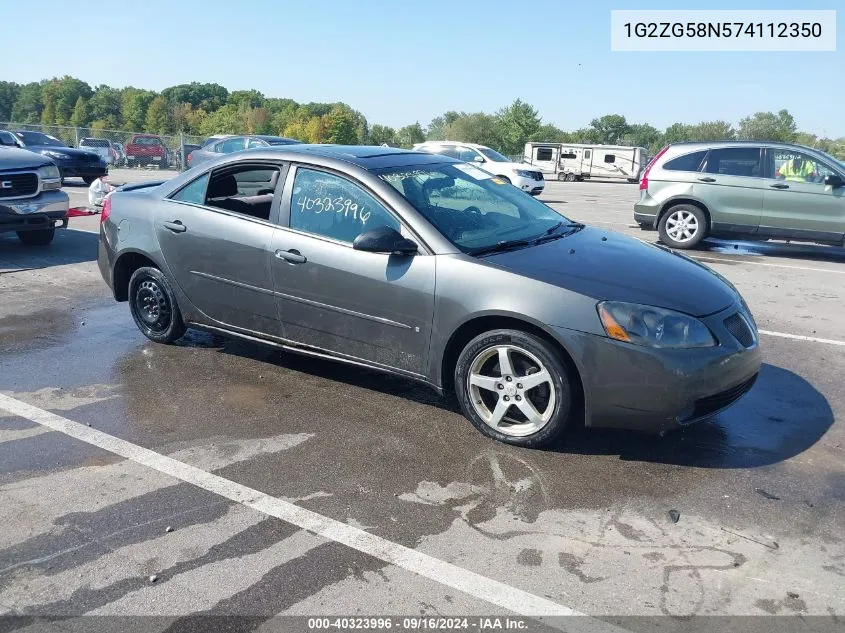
44, 211
528, 185
82, 170
634, 387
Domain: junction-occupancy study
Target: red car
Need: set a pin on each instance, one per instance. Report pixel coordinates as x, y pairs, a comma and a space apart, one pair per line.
147, 149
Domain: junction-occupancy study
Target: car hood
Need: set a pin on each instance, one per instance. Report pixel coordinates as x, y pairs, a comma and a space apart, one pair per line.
498, 168
608, 266
70, 151
14, 158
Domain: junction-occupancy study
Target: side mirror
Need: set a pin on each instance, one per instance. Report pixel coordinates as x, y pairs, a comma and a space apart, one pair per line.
834, 181
477, 159
384, 240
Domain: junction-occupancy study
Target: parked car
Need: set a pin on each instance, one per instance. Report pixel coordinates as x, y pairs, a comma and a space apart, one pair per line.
235, 144
71, 162
121, 153
147, 149
189, 147
526, 177
103, 147
435, 270
31, 201
741, 190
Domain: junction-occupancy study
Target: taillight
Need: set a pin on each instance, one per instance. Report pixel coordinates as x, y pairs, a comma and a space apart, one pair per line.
106, 211
644, 179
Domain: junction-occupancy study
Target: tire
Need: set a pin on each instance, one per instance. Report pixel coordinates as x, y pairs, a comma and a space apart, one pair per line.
683, 226
561, 176
570, 177
153, 306
551, 398
41, 237
505, 178
130, 164
89, 179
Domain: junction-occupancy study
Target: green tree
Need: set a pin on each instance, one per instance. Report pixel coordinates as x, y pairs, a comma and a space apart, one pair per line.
208, 97
342, 126
157, 119
549, 133
516, 124
380, 134
9, 92
250, 98
28, 105
79, 116
67, 92
48, 103
437, 128
610, 129
768, 126
410, 135
712, 131
474, 128
133, 107
642, 135
104, 105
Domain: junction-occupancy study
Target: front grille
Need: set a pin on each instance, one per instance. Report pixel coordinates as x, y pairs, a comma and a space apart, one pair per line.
712, 404
18, 185
89, 157
739, 328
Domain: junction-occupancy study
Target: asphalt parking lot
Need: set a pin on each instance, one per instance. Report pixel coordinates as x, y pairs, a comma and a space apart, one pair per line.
219, 478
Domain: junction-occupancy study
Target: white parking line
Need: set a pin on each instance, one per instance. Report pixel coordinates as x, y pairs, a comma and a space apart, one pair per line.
471, 583
801, 337
745, 261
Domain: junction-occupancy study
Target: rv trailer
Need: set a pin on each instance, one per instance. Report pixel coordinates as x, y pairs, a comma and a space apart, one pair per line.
575, 161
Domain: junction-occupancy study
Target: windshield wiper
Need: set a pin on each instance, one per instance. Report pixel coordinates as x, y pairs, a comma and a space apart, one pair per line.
552, 234
501, 247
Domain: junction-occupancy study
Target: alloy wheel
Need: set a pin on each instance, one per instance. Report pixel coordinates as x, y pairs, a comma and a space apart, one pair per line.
682, 226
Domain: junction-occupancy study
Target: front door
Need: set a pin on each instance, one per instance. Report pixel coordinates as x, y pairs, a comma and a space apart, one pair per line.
215, 240
731, 184
797, 203
368, 306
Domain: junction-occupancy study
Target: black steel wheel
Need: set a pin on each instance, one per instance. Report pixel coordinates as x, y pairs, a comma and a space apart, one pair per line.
153, 306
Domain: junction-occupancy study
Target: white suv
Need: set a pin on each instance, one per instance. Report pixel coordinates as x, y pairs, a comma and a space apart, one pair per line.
521, 175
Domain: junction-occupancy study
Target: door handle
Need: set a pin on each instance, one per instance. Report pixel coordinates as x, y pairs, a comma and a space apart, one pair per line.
779, 185
293, 256
707, 179
176, 226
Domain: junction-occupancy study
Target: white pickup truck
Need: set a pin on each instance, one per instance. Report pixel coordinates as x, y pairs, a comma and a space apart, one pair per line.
31, 200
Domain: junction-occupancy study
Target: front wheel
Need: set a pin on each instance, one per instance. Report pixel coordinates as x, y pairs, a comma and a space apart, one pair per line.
41, 237
682, 226
514, 387
505, 178
153, 306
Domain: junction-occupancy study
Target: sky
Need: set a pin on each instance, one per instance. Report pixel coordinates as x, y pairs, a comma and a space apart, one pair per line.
402, 61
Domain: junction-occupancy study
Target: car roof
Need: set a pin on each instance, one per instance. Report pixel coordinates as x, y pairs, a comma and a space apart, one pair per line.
475, 145
366, 156
734, 143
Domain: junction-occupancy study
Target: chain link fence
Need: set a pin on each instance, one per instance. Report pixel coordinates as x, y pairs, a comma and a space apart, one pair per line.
118, 148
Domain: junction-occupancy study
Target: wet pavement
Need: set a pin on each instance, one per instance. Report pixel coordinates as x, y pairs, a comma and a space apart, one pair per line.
742, 515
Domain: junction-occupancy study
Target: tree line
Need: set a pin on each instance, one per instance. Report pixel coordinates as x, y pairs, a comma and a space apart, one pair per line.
208, 108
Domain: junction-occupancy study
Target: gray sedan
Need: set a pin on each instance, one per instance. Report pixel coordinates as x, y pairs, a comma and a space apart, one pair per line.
232, 144
429, 268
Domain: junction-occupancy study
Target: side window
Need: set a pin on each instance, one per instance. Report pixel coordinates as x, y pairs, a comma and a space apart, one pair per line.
466, 154
230, 145
247, 190
544, 153
610, 158
568, 154
687, 162
255, 142
587, 154
193, 192
735, 161
334, 207
798, 167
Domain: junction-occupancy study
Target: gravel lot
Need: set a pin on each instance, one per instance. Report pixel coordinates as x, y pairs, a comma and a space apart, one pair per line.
455, 524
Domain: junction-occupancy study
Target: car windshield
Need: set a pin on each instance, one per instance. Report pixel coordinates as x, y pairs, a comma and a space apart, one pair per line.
837, 162
475, 211
146, 140
494, 155
37, 138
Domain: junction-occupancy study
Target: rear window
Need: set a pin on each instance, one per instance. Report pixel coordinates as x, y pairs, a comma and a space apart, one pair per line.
94, 142
687, 162
145, 140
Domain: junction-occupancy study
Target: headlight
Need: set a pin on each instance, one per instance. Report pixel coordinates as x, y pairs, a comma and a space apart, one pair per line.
58, 155
50, 177
523, 173
653, 327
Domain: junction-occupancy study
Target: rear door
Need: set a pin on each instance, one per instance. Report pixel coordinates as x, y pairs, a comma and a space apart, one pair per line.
373, 307
215, 235
801, 207
731, 185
